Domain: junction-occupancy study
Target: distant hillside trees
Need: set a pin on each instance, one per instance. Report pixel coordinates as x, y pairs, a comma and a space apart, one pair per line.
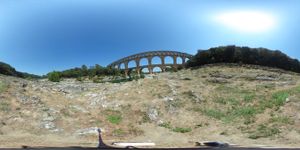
84, 71
6, 69
245, 55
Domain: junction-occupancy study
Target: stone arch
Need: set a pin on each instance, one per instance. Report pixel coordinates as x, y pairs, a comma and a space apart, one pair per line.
157, 69
169, 60
156, 60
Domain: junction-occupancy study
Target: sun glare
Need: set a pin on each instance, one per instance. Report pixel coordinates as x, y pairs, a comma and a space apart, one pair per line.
247, 21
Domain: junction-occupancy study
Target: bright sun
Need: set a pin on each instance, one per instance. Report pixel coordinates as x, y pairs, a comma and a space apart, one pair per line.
247, 21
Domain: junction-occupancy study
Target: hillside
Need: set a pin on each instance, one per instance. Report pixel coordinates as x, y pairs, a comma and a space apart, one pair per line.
244, 105
6, 69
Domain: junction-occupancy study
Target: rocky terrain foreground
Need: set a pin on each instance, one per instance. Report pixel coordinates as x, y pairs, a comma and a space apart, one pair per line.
240, 105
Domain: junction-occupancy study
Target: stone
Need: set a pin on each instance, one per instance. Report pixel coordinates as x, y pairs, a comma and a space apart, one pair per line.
48, 125
217, 74
152, 114
168, 98
86, 131
217, 80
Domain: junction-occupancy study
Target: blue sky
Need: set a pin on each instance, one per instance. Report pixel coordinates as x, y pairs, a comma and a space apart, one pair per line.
41, 36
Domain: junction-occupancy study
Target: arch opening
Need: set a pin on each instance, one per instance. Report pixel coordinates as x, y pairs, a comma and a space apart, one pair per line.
157, 69
169, 60
143, 62
156, 60
145, 71
122, 66
179, 60
132, 64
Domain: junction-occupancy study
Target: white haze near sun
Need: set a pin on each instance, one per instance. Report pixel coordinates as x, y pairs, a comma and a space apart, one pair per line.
250, 22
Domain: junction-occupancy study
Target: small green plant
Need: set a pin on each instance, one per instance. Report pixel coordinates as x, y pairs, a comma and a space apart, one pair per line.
114, 119
245, 112
187, 79
65, 112
97, 80
220, 100
54, 76
118, 132
278, 99
282, 120
3, 86
80, 79
177, 103
224, 133
249, 97
134, 130
264, 131
181, 130
166, 125
145, 118
189, 93
5, 106
120, 80
214, 113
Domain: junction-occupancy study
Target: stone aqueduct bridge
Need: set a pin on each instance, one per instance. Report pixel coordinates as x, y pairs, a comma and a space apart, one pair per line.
149, 56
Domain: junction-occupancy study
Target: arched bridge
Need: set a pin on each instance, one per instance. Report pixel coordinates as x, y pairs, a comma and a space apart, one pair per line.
149, 56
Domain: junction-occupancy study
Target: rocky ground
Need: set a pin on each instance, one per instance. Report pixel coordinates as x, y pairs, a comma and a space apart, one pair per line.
240, 105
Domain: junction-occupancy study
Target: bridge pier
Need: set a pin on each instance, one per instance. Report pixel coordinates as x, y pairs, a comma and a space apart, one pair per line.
183, 60
175, 62
150, 65
137, 62
126, 69
162, 67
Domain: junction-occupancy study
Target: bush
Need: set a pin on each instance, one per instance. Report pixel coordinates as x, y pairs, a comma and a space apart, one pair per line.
54, 76
245, 55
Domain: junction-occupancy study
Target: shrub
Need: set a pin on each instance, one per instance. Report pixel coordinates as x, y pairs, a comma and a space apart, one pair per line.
54, 76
